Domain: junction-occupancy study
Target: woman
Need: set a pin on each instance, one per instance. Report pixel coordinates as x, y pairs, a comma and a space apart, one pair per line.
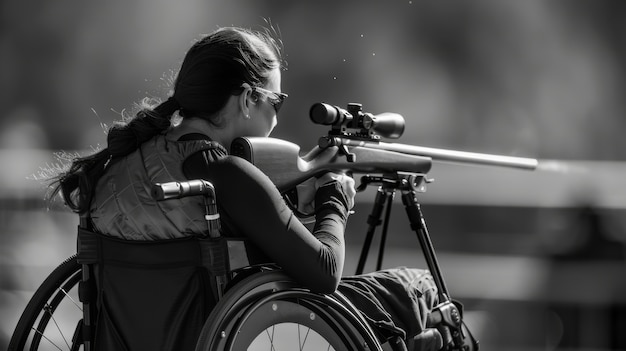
229, 85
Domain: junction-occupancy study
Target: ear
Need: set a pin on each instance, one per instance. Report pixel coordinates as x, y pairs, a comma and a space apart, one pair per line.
245, 100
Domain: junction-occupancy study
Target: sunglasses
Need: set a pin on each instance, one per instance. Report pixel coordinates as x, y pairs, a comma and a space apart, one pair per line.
275, 99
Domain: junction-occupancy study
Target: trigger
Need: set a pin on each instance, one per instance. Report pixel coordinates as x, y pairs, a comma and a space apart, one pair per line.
291, 198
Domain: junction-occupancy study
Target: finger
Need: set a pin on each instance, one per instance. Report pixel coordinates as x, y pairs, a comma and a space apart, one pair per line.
350, 190
334, 176
326, 178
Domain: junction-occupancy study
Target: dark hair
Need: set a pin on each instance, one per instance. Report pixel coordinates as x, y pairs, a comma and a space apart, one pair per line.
214, 68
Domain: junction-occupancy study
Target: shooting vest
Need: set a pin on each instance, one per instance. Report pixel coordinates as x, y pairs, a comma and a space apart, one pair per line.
123, 207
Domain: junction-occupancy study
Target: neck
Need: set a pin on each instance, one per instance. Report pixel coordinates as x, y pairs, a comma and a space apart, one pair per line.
197, 125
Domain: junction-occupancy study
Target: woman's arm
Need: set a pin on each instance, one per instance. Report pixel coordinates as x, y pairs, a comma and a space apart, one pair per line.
258, 211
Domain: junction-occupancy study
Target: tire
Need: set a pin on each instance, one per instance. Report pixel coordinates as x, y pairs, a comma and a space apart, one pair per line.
54, 301
268, 311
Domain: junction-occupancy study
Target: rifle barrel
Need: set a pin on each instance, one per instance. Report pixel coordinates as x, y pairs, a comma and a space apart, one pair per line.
446, 155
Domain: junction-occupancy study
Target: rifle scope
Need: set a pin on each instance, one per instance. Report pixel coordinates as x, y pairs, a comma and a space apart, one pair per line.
387, 125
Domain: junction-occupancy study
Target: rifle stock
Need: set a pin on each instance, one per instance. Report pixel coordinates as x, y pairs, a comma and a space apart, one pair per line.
281, 161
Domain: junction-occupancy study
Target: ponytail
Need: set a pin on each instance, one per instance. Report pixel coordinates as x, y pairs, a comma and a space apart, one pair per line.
77, 184
123, 139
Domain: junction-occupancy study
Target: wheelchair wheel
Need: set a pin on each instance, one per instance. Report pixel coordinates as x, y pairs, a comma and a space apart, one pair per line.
267, 311
54, 313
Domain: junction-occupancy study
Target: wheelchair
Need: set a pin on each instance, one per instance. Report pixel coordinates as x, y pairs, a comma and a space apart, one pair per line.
259, 306
266, 310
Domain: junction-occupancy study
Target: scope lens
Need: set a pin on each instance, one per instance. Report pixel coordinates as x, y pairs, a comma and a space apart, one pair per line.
387, 125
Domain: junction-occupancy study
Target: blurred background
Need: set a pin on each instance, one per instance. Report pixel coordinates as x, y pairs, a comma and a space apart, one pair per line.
537, 257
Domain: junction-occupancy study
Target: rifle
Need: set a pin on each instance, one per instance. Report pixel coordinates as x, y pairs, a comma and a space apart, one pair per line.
359, 149
357, 136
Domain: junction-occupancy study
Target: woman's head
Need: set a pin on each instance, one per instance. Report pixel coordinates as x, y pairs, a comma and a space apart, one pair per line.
223, 64
227, 62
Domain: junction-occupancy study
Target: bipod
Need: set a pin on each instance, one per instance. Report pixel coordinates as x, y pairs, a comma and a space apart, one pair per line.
447, 316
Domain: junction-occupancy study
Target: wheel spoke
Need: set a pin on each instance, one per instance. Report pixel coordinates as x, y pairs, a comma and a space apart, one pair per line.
48, 310
305, 337
45, 337
278, 338
79, 306
271, 337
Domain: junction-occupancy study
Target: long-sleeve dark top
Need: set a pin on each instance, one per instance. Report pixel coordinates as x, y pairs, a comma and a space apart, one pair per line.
251, 206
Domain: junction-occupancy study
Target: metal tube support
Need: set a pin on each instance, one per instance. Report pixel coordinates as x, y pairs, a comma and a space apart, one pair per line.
418, 224
373, 221
383, 237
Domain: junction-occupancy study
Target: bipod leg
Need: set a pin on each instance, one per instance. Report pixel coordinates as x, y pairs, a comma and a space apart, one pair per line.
383, 237
447, 315
373, 220
418, 224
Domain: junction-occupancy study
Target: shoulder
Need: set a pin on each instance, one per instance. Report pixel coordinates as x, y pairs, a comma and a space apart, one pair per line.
238, 167
241, 174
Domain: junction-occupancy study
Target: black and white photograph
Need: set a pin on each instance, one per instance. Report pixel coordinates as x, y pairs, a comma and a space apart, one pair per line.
403, 175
